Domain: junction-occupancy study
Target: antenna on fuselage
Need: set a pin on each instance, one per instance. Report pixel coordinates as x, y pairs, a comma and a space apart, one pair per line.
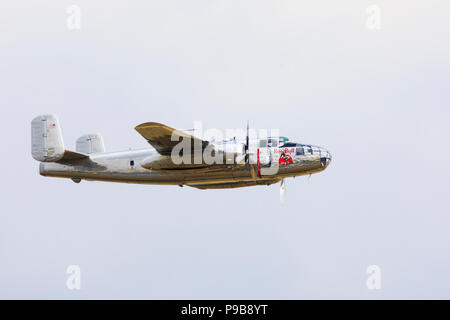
187, 130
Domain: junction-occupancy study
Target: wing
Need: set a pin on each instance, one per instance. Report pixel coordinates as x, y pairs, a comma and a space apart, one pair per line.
164, 138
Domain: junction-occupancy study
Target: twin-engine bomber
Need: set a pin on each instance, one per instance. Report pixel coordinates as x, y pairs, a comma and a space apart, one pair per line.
178, 158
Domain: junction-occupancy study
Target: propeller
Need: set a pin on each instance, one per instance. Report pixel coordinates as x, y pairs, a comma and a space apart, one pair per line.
246, 144
245, 156
282, 191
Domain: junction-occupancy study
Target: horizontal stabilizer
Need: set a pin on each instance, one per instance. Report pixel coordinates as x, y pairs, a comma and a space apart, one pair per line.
72, 156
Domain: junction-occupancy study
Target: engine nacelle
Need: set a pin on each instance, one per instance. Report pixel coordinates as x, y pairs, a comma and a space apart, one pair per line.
214, 154
160, 162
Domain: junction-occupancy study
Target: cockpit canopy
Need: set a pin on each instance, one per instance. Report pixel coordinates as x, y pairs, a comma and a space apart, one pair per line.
273, 142
283, 142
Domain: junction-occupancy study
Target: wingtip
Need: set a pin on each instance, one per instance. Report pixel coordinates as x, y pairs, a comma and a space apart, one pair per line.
148, 125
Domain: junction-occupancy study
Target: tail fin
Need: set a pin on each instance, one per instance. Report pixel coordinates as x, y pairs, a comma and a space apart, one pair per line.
90, 143
46, 140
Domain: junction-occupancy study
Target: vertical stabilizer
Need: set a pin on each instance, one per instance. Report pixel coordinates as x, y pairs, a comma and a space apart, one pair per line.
46, 139
90, 143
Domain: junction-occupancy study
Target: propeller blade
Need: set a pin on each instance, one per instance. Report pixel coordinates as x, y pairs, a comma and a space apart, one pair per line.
282, 191
248, 128
247, 143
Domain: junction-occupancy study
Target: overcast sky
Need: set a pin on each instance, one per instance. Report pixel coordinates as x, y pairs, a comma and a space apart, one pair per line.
378, 99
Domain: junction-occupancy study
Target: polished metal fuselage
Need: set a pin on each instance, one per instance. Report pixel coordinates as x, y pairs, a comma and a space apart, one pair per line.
126, 166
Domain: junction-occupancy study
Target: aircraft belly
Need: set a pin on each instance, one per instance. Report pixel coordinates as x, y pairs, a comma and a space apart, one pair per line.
140, 175
236, 184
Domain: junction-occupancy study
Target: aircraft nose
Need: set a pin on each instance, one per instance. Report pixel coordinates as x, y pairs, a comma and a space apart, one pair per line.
325, 157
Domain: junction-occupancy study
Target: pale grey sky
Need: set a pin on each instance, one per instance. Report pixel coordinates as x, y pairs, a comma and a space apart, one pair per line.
378, 100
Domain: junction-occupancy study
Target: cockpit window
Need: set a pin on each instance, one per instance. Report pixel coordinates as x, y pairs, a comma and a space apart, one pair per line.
288, 145
307, 149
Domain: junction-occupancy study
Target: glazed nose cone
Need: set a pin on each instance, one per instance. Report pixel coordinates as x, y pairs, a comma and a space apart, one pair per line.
325, 157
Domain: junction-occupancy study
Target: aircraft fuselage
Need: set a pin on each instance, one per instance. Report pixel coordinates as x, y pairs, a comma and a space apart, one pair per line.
126, 166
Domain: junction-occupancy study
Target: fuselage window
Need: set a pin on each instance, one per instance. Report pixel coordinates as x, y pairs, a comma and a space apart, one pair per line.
299, 151
132, 163
263, 143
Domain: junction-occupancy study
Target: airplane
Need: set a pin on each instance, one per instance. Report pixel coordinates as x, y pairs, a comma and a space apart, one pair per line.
236, 164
